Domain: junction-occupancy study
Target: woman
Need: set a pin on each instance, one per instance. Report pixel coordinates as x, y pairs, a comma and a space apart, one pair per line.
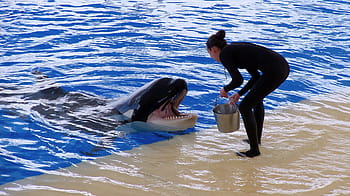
268, 70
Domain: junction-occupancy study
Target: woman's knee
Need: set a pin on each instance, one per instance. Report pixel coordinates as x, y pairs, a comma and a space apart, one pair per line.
248, 105
244, 107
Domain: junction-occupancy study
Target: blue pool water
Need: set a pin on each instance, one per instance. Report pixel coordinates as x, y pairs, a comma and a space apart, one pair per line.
107, 49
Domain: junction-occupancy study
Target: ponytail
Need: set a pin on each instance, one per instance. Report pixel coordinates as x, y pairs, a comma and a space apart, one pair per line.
217, 40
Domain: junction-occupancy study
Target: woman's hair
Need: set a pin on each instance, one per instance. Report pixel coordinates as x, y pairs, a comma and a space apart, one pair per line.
217, 40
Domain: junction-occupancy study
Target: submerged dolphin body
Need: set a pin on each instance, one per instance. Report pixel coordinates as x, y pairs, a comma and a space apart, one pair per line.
157, 104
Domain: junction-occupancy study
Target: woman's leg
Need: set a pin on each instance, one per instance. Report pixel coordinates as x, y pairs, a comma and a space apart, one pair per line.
252, 112
252, 107
259, 113
250, 124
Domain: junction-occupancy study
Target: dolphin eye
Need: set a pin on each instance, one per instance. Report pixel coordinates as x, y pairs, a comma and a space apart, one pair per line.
171, 90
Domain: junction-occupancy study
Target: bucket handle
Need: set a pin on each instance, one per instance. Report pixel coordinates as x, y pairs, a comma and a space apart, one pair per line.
216, 102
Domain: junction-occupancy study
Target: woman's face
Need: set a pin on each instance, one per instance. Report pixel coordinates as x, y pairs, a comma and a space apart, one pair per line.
214, 53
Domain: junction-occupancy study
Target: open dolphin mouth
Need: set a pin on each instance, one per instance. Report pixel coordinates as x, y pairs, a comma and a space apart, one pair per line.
170, 110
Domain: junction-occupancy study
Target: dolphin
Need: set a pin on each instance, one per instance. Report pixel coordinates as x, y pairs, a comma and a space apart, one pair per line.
152, 107
49, 108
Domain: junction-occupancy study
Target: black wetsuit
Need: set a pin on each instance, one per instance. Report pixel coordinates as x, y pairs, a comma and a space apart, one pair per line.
268, 70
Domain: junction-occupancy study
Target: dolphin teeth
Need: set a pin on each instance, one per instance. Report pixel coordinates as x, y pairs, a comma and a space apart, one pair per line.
177, 117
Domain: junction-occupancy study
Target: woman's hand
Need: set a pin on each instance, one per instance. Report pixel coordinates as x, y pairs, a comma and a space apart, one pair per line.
234, 98
223, 93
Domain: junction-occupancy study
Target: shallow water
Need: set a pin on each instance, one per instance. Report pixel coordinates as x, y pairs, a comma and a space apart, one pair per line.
107, 49
307, 156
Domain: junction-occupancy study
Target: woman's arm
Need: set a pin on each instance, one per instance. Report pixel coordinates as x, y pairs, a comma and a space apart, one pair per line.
255, 76
236, 78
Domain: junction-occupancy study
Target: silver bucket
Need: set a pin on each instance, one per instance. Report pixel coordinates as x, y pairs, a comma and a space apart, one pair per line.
227, 117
